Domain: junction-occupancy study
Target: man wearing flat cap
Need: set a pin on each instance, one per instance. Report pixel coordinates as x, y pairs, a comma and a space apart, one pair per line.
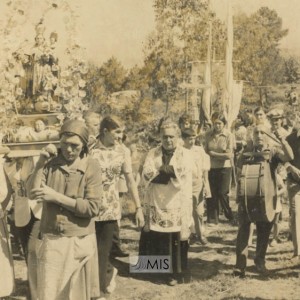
69, 186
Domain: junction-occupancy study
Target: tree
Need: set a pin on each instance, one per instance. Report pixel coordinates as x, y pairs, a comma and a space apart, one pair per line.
113, 74
136, 79
181, 36
256, 51
96, 91
291, 70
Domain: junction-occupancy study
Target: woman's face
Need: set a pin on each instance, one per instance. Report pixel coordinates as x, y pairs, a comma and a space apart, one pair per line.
218, 126
260, 116
114, 136
71, 147
169, 138
189, 141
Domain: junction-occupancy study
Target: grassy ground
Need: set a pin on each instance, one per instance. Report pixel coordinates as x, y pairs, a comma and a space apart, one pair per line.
211, 266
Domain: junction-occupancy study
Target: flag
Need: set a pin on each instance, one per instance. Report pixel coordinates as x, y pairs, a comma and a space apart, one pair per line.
193, 109
206, 97
237, 93
232, 94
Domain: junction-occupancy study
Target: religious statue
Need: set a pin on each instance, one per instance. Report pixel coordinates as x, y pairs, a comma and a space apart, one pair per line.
40, 71
41, 64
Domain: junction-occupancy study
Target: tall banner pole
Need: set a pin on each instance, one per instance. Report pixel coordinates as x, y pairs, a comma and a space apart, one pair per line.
206, 98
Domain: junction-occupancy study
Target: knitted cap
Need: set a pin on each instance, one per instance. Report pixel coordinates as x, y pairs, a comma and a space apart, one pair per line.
76, 127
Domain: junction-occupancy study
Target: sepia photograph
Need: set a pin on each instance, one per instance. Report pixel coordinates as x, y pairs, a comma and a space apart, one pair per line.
149, 149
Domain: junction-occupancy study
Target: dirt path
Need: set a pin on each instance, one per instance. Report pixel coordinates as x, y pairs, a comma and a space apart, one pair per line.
211, 267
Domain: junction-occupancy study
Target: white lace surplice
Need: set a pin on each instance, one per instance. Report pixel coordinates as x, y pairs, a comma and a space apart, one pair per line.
168, 207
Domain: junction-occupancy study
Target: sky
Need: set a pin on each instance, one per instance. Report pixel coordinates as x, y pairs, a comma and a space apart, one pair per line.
120, 27
288, 10
117, 27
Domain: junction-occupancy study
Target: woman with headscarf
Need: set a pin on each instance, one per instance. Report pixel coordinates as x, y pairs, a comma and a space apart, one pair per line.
69, 185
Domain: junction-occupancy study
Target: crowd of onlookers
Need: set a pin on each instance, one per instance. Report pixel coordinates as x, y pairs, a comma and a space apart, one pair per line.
66, 202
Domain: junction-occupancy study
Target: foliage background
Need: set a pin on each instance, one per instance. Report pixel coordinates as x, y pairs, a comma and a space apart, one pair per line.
180, 36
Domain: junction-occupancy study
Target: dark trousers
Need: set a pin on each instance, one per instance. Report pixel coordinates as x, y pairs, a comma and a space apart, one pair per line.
219, 180
23, 234
184, 248
32, 259
161, 243
263, 230
116, 244
104, 234
28, 235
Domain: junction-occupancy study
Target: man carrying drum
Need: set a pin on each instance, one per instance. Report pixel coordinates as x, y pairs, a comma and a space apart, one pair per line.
268, 155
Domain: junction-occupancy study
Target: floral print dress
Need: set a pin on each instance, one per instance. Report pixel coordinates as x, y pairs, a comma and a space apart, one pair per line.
113, 161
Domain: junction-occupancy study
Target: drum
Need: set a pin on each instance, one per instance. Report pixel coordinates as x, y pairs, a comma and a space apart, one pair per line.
257, 190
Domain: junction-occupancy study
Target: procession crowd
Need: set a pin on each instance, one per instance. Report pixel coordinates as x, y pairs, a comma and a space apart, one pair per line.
67, 208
